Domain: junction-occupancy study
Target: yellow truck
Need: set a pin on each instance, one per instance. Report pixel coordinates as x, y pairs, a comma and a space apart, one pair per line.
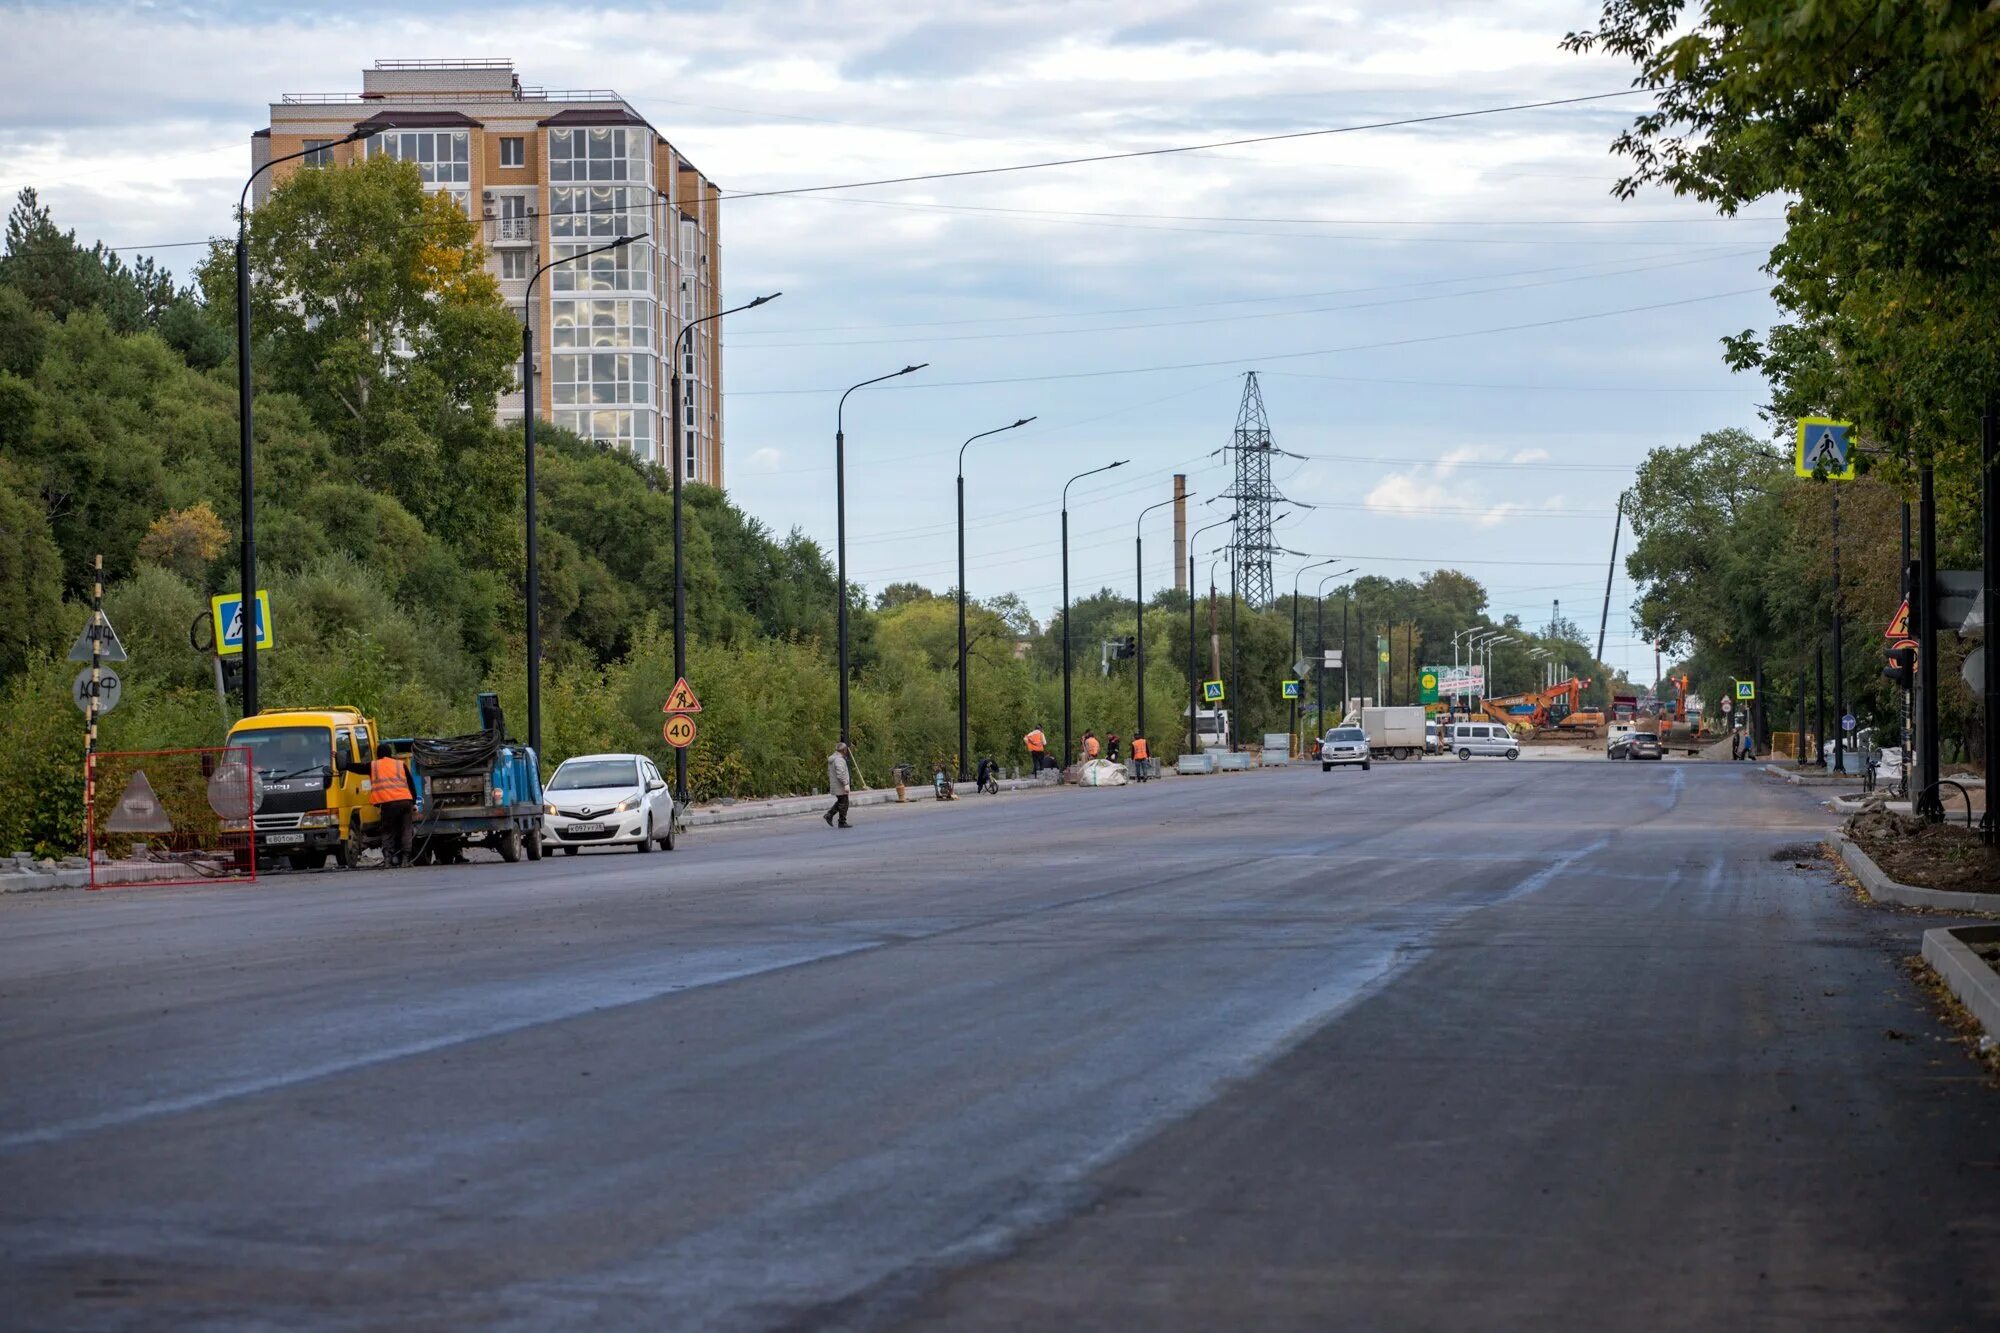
312, 770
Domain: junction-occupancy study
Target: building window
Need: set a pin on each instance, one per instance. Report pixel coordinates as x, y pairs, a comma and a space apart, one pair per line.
514, 264
319, 152
512, 226
513, 152
443, 156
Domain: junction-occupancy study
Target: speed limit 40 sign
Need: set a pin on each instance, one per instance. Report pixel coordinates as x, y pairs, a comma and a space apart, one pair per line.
679, 731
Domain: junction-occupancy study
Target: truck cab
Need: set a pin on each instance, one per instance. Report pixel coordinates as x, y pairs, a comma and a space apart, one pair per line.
311, 767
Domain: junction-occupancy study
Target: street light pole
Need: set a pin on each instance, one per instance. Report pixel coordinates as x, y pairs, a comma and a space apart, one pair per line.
247, 461
534, 590
682, 341
1065, 589
964, 716
1295, 631
1194, 672
1139, 606
840, 525
1319, 638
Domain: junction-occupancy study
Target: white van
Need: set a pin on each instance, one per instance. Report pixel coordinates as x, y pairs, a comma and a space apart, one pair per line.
1466, 739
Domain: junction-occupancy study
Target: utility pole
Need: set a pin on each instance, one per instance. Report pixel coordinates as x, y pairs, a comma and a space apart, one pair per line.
1989, 531
1604, 618
1926, 803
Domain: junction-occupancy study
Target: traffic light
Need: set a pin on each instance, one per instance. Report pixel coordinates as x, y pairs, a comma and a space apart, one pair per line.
1127, 647
232, 674
1902, 666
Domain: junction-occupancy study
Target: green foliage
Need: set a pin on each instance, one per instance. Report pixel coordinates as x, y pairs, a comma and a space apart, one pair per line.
30, 576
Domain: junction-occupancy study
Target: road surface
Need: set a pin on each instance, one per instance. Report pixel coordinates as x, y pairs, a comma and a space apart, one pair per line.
1438, 1045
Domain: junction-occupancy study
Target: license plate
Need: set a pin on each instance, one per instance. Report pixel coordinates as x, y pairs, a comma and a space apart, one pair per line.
274, 839
585, 828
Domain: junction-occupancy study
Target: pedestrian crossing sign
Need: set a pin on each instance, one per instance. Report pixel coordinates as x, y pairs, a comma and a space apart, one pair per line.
227, 610
1291, 689
1825, 449
1211, 691
1746, 689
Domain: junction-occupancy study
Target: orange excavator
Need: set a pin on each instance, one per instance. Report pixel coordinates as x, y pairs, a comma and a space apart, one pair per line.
1558, 709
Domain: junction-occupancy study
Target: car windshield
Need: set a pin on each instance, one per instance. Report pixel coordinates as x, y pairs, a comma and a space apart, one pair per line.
1347, 734
580, 773
287, 750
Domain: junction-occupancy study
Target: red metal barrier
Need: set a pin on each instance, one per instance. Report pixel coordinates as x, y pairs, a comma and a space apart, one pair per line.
159, 817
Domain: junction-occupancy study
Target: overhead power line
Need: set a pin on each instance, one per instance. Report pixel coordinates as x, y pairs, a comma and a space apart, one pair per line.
1189, 148
1258, 358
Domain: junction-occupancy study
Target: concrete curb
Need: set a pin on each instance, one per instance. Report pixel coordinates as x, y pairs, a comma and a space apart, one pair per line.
44, 881
1840, 805
1976, 985
744, 812
1881, 886
1811, 777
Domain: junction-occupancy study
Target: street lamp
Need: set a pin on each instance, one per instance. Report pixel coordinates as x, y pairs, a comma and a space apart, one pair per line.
247, 498
1330, 560
528, 445
840, 523
1139, 604
963, 716
1065, 580
1319, 637
682, 342
1194, 676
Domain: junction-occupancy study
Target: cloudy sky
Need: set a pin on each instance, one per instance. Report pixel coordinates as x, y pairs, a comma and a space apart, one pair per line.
1467, 339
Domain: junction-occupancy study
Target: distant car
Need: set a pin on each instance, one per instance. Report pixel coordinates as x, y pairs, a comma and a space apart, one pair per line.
1431, 739
1343, 745
1635, 745
1466, 739
607, 800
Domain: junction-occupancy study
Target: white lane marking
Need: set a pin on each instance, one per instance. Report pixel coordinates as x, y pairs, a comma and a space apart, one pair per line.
536, 1007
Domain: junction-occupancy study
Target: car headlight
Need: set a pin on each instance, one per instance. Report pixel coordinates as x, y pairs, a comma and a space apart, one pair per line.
630, 803
317, 819
550, 810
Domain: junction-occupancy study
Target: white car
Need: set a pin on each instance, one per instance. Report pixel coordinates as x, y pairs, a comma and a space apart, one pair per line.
607, 800
1343, 745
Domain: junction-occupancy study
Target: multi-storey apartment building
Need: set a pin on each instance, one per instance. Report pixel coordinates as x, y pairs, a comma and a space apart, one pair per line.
551, 173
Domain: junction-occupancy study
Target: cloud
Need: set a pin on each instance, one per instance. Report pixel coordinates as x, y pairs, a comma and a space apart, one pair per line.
1530, 456
766, 460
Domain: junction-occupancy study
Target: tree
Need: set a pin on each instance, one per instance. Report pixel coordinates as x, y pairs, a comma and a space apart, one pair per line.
30, 577
371, 297
185, 541
1879, 123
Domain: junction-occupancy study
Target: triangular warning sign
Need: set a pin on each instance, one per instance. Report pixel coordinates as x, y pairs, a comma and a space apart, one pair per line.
1899, 624
110, 651
138, 810
682, 699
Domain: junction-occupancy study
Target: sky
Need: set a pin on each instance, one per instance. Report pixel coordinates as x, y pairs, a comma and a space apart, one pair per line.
1467, 339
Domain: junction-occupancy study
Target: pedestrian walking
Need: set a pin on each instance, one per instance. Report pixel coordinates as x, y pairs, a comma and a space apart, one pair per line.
389, 792
1141, 753
1037, 744
839, 781
1111, 747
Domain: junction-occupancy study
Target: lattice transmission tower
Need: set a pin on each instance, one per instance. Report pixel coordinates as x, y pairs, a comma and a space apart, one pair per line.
1253, 495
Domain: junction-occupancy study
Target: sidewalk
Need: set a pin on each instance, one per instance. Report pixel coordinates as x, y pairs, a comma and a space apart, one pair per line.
743, 812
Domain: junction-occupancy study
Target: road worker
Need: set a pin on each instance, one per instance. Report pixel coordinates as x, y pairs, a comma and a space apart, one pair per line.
389, 792
1089, 745
1037, 745
1141, 752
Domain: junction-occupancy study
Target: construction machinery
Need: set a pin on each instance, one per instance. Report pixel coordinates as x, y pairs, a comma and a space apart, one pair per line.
1557, 710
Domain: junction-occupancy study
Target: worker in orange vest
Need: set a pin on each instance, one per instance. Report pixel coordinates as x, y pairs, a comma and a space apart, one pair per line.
1090, 745
389, 792
1037, 743
1141, 752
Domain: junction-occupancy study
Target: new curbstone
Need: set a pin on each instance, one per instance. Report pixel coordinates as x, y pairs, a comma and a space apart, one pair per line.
1976, 985
1879, 885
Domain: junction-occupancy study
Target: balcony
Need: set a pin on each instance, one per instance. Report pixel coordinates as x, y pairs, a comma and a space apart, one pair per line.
512, 231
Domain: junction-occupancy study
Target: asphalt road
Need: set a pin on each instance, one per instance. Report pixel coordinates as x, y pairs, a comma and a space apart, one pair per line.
1436, 1046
